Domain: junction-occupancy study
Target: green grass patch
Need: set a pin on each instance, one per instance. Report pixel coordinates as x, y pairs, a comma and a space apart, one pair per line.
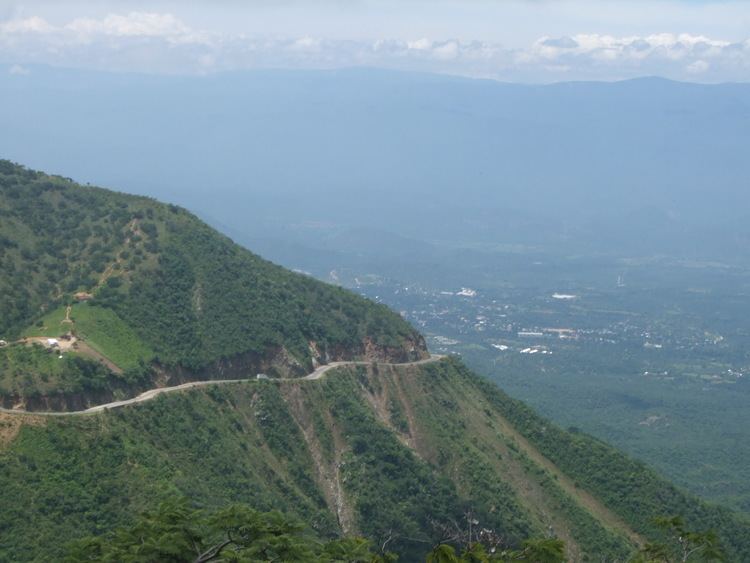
101, 329
109, 335
50, 325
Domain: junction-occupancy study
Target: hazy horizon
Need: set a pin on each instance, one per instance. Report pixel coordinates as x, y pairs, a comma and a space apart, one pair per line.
643, 166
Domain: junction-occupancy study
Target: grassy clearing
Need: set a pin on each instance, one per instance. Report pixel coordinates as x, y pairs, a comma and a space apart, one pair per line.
110, 336
50, 325
102, 329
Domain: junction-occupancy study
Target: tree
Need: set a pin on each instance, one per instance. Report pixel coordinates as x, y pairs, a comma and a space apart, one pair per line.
533, 551
547, 550
177, 533
682, 545
354, 550
443, 553
485, 545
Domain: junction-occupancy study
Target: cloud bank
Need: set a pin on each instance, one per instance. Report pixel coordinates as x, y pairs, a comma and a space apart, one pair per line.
162, 43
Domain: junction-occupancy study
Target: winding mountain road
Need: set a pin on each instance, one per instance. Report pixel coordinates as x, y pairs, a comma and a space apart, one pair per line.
151, 393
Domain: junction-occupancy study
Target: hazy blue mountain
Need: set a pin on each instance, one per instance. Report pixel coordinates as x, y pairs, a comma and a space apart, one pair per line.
642, 166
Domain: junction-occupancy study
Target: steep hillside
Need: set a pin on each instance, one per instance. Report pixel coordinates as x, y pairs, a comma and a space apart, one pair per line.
103, 294
378, 450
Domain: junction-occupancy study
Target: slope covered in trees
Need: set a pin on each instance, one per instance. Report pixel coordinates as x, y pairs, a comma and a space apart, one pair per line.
159, 294
396, 454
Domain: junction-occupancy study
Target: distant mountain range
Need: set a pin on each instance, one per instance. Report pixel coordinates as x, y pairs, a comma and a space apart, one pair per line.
638, 167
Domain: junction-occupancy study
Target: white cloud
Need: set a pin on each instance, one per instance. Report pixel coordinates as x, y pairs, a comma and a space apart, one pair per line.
672, 55
161, 42
131, 25
27, 25
134, 24
19, 70
607, 47
422, 44
698, 67
448, 50
306, 44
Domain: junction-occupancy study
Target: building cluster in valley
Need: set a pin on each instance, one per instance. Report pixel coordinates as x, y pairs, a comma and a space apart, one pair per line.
533, 323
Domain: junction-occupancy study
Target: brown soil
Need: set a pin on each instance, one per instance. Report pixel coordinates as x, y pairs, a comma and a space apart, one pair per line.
10, 425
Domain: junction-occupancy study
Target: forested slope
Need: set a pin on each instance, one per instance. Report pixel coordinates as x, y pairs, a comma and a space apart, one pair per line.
156, 294
381, 451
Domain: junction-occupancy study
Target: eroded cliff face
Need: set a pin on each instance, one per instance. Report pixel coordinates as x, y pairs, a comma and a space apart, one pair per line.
410, 349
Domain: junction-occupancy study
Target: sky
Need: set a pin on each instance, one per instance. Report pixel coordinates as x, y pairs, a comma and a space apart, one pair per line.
512, 40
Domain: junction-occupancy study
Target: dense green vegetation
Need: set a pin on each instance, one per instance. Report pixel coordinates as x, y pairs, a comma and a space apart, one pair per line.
166, 289
631, 489
180, 533
32, 371
413, 452
244, 443
693, 431
682, 544
395, 492
86, 475
460, 431
209, 299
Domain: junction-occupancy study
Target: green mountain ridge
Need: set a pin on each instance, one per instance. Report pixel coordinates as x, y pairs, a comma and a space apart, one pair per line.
396, 452
185, 302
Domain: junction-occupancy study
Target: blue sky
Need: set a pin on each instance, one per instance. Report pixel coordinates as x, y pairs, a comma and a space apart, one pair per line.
530, 41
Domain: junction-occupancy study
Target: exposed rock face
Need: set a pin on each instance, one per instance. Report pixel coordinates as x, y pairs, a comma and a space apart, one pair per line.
411, 350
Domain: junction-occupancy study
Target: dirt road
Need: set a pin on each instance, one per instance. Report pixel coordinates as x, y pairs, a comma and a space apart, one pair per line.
151, 393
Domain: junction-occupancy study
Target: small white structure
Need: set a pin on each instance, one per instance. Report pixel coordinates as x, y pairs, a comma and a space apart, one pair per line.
3, 343
261, 376
53, 342
530, 334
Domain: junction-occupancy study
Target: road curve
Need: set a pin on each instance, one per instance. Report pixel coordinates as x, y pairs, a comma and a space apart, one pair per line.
151, 393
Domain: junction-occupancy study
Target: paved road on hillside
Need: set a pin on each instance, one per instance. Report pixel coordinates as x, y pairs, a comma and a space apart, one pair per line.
150, 394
